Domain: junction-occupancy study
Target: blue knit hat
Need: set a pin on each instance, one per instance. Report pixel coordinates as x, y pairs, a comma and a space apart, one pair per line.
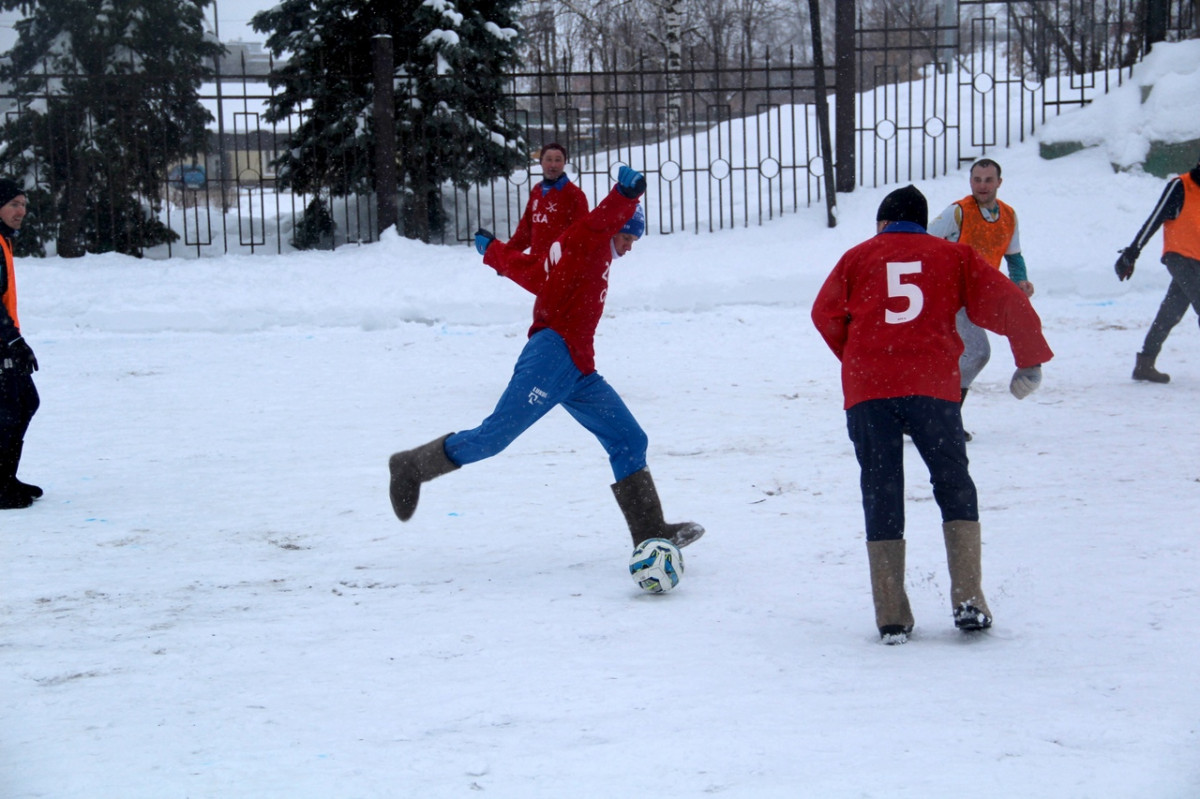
637, 223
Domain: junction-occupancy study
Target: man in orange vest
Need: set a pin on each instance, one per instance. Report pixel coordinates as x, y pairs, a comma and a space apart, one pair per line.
990, 226
1178, 213
18, 396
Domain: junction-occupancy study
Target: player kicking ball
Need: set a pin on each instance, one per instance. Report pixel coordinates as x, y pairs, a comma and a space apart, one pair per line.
557, 367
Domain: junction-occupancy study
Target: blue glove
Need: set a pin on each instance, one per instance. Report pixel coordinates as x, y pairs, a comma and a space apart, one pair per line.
482, 239
631, 183
1025, 381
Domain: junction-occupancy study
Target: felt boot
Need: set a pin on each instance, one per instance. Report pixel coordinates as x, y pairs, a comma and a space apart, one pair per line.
893, 614
1143, 369
411, 468
964, 555
639, 501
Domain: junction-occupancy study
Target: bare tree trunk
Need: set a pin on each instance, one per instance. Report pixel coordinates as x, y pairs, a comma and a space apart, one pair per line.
671, 15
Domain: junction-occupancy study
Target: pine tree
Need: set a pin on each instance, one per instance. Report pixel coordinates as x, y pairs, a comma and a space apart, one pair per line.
107, 95
452, 120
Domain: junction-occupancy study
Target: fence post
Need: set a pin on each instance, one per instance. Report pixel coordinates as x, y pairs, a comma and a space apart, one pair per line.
385, 125
1158, 13
814, 8
844, 93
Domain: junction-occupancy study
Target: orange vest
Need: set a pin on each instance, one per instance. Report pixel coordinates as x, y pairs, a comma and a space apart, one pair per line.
10, 292
989, 239
1182, 234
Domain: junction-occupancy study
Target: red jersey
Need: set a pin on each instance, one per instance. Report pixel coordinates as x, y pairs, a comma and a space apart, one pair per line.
547, 214
571, 280
887, 312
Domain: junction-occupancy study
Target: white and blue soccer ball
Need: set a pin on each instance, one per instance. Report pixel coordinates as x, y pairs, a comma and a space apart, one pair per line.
656, 565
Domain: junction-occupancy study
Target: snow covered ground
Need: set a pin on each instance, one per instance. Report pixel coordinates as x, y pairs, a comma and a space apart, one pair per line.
214, 599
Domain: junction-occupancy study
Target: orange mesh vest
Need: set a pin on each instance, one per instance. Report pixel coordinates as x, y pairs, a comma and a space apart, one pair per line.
989, 239
1182, 234
10, 293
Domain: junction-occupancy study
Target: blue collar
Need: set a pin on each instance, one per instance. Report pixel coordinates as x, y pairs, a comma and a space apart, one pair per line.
903, 227
547, 185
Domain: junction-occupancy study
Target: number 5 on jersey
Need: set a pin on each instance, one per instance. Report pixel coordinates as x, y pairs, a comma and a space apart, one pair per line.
912, 293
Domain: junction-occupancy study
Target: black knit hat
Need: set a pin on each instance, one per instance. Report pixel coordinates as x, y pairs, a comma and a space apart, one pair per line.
904, 205
9, 189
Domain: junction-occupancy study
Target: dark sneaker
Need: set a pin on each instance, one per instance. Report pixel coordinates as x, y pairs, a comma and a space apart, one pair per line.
969, 618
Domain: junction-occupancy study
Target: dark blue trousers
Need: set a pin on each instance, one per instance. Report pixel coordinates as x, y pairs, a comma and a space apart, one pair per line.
876, 429
18, 402
545, 376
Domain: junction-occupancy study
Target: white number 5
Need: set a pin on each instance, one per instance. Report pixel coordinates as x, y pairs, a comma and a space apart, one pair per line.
916, 300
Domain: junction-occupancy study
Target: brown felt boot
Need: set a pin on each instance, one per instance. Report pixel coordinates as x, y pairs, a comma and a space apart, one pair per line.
639, 501
964, 555
1143, 369
893, 614
411, 468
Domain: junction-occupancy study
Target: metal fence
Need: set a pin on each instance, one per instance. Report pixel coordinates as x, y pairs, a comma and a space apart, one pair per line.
941, 89
723, 147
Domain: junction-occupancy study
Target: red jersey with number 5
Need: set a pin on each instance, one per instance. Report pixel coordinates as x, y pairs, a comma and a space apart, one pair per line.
887, 312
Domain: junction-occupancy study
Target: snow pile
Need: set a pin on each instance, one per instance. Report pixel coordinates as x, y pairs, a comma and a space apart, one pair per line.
1159, 104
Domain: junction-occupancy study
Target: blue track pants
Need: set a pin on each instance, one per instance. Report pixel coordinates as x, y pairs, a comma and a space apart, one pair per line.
545, 376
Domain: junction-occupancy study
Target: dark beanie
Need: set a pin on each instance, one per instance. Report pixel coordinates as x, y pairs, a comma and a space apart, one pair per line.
904, 205
9, 189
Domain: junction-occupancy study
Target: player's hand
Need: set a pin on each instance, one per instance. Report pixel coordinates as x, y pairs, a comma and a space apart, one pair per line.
630, 182
1026, 287
1025, 381
1125, 262
482, 239
20, 356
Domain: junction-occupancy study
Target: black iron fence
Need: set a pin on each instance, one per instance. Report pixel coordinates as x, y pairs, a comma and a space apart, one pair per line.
943, 87
721, 147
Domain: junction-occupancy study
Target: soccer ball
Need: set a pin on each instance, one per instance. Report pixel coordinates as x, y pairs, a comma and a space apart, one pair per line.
656, 565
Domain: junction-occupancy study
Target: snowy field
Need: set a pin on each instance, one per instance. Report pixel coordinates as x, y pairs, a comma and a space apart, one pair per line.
214, 599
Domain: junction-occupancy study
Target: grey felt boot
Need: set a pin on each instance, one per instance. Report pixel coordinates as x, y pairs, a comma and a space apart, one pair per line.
964, 555
411, 468
639, 501
893, 614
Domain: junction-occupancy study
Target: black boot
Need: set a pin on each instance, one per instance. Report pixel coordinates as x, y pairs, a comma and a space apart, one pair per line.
1143, 369
34, 492
639, 501
12, 494
411, 468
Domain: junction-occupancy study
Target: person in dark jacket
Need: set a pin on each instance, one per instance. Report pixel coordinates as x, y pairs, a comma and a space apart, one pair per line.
18, 395
557, 367
1178, 214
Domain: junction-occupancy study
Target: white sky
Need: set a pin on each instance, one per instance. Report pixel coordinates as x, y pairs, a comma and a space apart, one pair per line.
232, 16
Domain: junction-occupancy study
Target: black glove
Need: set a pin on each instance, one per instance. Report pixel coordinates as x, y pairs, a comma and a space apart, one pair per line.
20, 357
630, 182
1125, 262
